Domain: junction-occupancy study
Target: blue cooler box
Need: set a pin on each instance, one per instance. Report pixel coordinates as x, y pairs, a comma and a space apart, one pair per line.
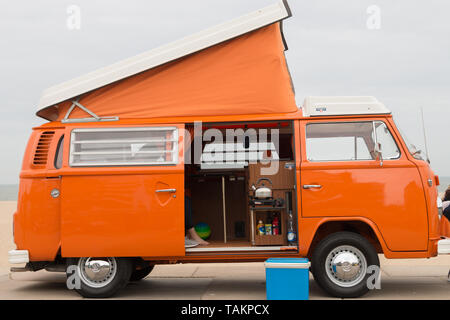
287, 278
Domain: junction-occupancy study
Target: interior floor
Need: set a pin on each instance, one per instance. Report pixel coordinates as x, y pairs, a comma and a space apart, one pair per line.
237, 246
233, 243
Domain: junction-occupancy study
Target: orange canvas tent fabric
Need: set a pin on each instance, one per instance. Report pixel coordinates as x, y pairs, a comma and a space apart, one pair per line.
245, 75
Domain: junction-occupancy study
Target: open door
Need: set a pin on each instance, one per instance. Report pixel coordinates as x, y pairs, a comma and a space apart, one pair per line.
242, 155
124, 196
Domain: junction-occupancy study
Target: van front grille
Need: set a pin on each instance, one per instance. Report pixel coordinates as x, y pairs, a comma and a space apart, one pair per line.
41, 153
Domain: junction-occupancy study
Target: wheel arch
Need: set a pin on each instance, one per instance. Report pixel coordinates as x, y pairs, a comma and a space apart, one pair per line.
361, 226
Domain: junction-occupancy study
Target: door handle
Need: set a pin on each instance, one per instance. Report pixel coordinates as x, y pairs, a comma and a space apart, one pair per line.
166, 190
311, 186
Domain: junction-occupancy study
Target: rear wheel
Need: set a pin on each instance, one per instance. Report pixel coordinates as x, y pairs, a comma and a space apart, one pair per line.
140, 274
340, 262
100, 277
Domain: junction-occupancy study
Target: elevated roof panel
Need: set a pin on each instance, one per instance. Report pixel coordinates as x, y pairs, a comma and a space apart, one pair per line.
162, 55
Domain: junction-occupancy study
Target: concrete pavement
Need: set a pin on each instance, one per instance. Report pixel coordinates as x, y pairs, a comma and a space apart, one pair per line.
410, 279
7, 209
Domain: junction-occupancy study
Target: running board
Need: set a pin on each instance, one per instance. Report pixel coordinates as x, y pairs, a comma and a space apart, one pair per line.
238, 249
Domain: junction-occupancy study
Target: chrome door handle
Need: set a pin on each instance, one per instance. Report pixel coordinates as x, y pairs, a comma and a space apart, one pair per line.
311, 186
167, 190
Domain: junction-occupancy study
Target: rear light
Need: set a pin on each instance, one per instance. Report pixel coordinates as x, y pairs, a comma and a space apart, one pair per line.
436, 179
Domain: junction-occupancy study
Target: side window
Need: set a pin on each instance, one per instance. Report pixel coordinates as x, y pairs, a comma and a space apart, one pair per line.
339, 141
349, 141
389, 149
59, 153
124, 146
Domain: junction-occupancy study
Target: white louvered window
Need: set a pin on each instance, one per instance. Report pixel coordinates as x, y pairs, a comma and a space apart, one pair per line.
124, 147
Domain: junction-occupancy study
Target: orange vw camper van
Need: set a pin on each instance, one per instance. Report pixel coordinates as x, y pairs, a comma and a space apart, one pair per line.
104, 182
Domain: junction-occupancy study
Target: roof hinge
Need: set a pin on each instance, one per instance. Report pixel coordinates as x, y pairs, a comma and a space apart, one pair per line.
94, 118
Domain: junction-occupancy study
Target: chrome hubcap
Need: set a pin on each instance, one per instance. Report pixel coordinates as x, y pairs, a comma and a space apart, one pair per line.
97, 272
346, 266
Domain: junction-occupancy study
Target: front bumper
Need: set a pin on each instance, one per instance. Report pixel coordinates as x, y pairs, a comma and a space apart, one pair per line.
444, 246
18, 256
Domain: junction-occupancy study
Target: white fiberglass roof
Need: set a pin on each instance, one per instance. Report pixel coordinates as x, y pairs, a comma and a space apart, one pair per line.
335, 106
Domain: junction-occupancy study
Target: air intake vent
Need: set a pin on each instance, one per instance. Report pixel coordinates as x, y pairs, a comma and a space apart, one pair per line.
41, 153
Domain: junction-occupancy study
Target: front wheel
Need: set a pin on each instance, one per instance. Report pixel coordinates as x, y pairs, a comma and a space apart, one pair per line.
340, 262
99, 277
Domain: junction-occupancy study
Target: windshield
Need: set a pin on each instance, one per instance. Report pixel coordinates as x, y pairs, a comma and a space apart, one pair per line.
415, 152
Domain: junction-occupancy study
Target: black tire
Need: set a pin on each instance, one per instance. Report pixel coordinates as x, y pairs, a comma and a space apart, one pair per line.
117, 281
319, 265
139, 274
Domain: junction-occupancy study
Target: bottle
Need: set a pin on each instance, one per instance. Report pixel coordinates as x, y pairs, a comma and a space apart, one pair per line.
275, 226
260, 228
291, 235
268, 229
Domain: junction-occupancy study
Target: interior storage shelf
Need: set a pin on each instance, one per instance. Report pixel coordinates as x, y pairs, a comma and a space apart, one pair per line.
264, 214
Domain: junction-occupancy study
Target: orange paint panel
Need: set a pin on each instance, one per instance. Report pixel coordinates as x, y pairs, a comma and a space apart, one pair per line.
118, 211
390, 195
122, 215
37, 221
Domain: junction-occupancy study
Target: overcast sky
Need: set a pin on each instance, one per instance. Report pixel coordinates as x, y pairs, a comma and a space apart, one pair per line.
332, 51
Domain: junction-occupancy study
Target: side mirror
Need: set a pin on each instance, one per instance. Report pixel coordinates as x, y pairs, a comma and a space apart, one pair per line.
378, 153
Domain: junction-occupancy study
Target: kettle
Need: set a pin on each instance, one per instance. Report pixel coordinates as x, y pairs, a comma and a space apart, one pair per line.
262, 192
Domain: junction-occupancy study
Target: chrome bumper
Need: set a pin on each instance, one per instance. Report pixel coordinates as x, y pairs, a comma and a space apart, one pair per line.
18, 256
444, 246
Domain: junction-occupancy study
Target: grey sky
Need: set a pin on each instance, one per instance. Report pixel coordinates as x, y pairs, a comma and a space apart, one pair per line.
405, 64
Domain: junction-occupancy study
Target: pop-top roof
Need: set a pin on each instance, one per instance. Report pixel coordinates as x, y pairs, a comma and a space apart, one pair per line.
336, 106
158, 57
